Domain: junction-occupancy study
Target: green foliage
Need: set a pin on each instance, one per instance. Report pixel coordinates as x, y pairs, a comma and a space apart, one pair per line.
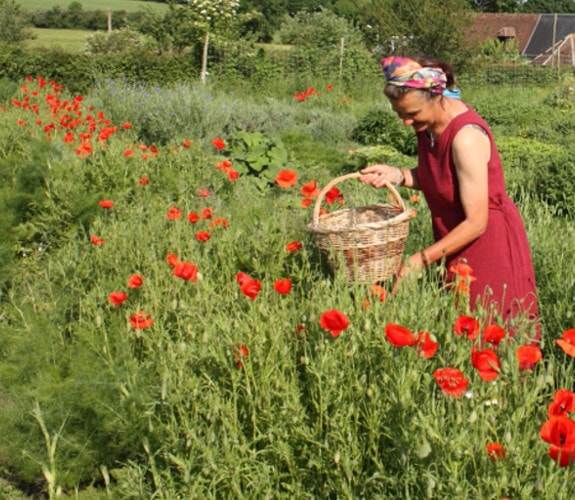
318, 29
563, 96
396, 26
168, 411
318, 38
78, 73
497, 51
543, 170
368, 155
13, 23
174, 31
257, 155
381, 126
120, 40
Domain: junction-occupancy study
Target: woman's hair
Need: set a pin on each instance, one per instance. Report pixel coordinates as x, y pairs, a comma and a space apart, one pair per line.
395, 92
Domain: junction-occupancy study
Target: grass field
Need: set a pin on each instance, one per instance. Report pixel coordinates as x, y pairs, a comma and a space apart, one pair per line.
127, 5
69, 40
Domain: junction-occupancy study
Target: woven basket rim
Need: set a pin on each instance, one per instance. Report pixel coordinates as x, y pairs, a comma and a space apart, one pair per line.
326, 228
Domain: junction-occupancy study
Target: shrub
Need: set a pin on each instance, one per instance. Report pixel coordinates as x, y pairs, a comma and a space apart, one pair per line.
117, 41
381, 126
541, 169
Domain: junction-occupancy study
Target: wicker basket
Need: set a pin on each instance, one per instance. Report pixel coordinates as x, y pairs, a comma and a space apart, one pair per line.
370, 240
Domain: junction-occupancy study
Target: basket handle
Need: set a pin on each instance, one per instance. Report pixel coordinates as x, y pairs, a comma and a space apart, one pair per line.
353, 175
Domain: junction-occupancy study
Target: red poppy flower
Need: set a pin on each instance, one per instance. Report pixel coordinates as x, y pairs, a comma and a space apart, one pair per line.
310, 190
567, 342
462, 270
493, 334
97, 241
563, 402
305, 203
240, 352
399, 336
193, 217
250, 288
282, 286
135, 281
84, 149
127, 125
486, 362
333, 195
219, 143
378, 291
128, 153
496, 451
286, 178
106, 203
467, 325
172, 259
426, 345
293, 246
562, 455
528, 355
117, 298
174, 213
207, 213
203, 193
559, 432
140, 320
329, 86
187, 143
202, 236
241, 277
232, 174
144, 181
224, 165
219, 221
300, 97
186, 270
335, 321
451, 381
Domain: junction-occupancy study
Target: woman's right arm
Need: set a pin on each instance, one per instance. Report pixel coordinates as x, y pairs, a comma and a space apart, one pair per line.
377, 175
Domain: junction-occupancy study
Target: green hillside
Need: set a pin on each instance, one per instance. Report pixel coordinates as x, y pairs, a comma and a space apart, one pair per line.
70, 40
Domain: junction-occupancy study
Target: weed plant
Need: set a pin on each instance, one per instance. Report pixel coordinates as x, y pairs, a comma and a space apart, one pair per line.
223, 392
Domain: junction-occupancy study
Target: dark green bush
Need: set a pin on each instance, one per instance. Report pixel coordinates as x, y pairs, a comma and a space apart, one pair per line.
79, 72
542, 170
382, 127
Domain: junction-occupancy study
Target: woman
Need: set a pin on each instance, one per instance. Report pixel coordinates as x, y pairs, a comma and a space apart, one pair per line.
475, 224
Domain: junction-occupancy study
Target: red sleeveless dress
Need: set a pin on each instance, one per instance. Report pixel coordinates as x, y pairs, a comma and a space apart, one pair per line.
500, 257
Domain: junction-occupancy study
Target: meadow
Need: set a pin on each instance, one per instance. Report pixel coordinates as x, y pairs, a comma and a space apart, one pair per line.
55, 39
168, 327
127, 5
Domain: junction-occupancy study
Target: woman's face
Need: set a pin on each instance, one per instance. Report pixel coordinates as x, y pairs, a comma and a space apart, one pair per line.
415, 109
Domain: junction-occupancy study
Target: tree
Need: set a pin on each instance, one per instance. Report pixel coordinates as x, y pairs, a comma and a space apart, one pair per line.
175, 31
13, 23
506, 6
212, 15
435, 28
549, 6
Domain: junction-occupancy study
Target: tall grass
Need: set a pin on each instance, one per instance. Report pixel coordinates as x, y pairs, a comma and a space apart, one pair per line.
178, 409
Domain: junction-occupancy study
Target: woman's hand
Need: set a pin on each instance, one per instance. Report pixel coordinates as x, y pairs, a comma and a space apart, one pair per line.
377, 175
411, 268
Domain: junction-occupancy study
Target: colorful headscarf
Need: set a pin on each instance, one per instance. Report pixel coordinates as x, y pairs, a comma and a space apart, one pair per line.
405, 72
